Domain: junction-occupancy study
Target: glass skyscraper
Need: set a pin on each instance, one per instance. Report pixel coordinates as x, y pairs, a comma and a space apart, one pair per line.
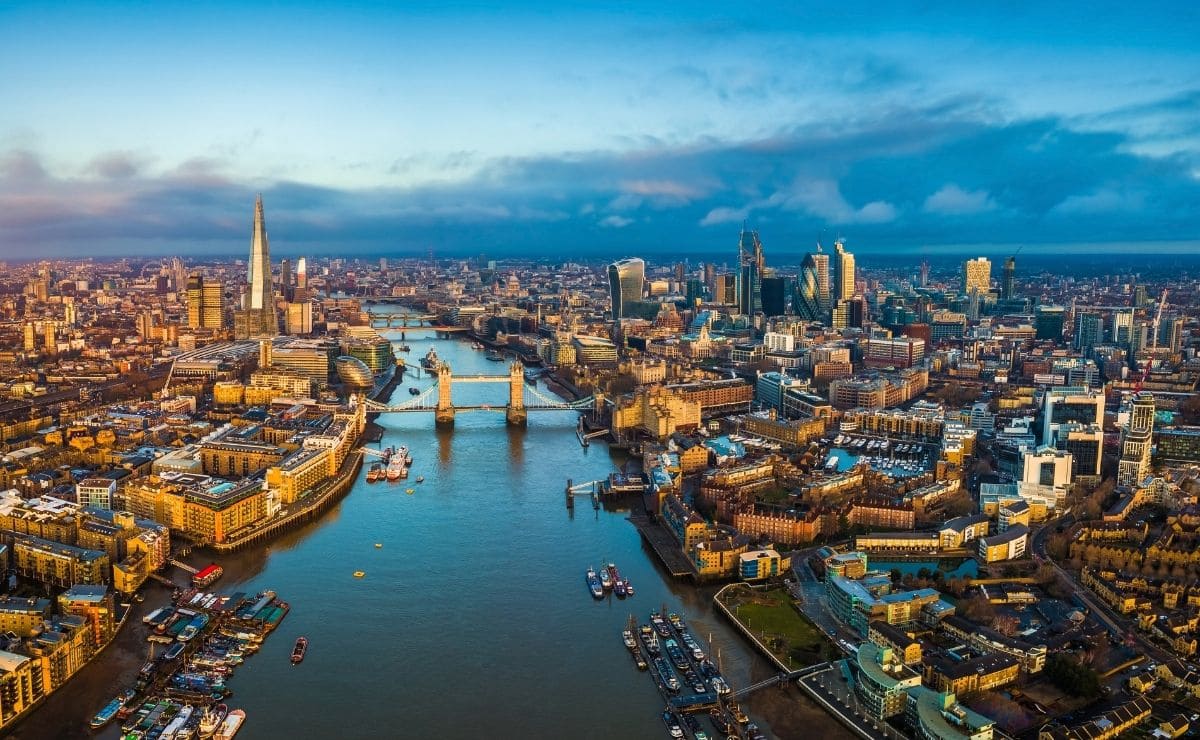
750, 268
625, 278
258, 318
812, 290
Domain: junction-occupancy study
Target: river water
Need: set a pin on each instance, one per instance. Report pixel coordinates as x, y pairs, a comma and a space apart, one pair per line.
473, 619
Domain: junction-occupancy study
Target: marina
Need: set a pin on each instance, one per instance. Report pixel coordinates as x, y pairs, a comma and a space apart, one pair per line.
179, 693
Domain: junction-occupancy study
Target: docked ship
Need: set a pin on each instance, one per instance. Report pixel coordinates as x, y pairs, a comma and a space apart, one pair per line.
212, 719
606, 581
494, 356
375, 473
206, 576
431, 360
414, 391
231, 725
593, 582
395, 468
108, 712
299, 650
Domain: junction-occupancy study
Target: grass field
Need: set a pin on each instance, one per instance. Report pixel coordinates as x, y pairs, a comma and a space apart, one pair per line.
772, 618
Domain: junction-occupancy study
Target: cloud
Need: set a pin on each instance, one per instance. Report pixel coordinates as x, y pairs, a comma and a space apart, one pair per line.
943, 174
952, 200
116, 165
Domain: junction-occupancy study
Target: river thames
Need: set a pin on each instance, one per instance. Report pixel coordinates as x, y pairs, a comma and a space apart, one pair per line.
473, 618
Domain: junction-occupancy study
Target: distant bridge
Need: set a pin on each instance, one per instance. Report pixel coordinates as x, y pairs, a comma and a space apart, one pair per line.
515, 410
389, 319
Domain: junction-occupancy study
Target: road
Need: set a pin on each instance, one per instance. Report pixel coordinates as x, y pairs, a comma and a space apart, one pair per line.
1116, 624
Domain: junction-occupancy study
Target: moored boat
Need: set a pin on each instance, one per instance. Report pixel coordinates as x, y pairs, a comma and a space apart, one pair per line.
106, 714
627, 637
605, 579
628, 588
212, 719
299, 650
233, 723
395, 468
375, 473
594, 585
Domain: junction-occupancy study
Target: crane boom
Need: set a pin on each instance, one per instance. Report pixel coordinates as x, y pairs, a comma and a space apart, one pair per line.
1162, 303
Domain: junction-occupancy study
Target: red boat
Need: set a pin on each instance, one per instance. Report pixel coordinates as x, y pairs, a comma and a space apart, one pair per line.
299, 650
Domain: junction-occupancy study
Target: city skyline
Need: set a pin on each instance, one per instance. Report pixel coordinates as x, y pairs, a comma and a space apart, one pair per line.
896, 129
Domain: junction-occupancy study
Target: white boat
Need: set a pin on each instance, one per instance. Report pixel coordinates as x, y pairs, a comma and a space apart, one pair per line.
231, 725
395, 468
175, 728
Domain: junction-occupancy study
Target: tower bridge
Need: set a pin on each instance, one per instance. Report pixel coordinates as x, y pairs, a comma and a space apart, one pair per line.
437, 398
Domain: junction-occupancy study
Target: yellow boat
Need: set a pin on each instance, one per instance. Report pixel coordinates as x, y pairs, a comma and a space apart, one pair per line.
378, 544
409, 491
359, 574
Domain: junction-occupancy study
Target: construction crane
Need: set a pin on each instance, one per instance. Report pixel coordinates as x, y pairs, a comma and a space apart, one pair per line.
1162, 303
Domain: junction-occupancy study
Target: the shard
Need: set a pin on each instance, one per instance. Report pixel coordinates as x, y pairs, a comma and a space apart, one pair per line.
259, 318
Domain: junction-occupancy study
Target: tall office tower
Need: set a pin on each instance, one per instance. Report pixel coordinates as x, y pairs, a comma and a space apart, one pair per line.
725, 290
749, 278
30, 337
1139, 295
710, 279
694, 291
383, 264
178, 274
924, 273
774, 296
1089, 331
812, 289
205, 303
302, 273
1009, 278
977, 275
843, 273
1049, 322
625, 279
680, 271
51, 339
285, 278
1136, 440
145, 325
1170, 334
258, 318
1121, 333
70, 311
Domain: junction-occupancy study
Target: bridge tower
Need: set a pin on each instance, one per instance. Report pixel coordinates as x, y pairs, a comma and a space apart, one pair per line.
516, 414
444, 415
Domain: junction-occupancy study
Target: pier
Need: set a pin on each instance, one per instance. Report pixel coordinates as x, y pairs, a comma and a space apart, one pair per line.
665, 546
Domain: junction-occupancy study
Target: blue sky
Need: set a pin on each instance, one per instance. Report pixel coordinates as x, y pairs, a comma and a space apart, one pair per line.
596, 127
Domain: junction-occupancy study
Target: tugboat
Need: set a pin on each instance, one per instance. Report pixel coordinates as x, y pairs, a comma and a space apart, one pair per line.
299, 650
414, 391
212, 719
420, 479
628, 588
494, 356
605, 579
395, 468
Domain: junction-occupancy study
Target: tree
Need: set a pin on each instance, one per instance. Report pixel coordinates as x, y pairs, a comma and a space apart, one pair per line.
1072, 677
978, 609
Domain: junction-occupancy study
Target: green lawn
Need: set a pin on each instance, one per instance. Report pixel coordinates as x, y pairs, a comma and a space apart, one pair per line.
772, 618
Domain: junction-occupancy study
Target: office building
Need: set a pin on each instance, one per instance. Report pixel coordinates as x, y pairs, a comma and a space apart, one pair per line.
1049, 322
812, 290
1136, 438
749, 277
258, 318
774, 296
205, 303
625, 278
977, 276
1069, 405
1008, 279
1089, 332
844, 276
1121, 329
